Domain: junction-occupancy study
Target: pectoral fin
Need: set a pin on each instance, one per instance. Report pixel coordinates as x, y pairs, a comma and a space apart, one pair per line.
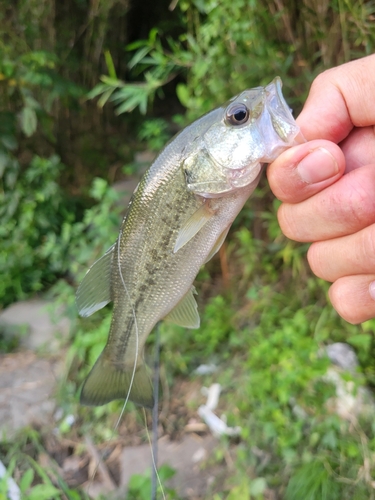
217, 245
94, 292
186, 312
107, 382
192, 226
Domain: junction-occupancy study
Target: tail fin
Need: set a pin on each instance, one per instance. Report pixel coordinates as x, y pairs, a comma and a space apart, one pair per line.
107, 382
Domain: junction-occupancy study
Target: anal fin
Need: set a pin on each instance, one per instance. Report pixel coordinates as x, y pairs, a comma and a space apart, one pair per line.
217, 245
185, 313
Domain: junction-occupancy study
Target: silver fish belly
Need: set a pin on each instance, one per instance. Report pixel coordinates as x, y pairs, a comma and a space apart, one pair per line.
177, 220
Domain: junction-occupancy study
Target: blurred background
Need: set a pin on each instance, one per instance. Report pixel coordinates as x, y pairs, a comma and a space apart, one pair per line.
90, 91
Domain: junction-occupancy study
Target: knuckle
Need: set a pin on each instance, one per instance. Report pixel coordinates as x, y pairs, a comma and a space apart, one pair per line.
353, 204
324, 78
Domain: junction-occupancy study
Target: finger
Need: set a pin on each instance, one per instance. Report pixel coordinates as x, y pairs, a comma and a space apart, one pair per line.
359, 148
345, 207
304, 170
345, 256
351, 296
338, 100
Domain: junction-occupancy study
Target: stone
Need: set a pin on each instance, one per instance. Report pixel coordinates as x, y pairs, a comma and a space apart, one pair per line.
27, 384
185, 457
42, 329
343, 355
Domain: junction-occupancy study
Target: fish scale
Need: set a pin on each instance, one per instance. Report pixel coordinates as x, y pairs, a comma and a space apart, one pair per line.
177, 220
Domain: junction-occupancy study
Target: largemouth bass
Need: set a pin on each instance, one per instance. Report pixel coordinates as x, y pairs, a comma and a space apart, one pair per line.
177, 220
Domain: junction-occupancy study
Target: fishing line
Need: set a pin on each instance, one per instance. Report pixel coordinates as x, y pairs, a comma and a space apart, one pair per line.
154, 468
136, 350
136, 332
153, 444
155, 414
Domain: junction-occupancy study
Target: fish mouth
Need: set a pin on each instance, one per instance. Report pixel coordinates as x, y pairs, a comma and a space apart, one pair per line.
281, 115
279, 93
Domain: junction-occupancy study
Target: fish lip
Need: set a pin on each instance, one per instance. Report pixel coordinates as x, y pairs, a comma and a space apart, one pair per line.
277, 84
281, 115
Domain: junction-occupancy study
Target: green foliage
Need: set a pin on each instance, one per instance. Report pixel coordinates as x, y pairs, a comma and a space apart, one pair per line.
260, 40
155, 133
40, 231
140, 484
10, 337
267, 342
313, 482
34, 228
34, 481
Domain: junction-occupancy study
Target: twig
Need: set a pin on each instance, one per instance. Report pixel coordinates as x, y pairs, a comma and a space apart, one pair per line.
101, 467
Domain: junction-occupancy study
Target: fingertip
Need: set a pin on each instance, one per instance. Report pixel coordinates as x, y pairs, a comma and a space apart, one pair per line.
316, 260
304, 170
289, 222
351, 298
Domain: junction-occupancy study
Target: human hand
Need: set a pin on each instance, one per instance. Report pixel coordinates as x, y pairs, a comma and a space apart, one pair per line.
335, 212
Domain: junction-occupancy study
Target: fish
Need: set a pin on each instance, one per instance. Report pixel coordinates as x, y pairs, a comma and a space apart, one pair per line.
177, 219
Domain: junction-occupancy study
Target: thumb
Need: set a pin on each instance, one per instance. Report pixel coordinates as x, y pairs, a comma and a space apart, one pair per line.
304, 170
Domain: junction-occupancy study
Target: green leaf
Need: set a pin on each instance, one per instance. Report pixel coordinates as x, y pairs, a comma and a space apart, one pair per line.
138, 56
240, 492
113, 82
28, 121
9, 142
97, 90
109, 63
361, 340
183, 94
258, 486
26, 480
4, 158
105, 96
30, 102
43, 492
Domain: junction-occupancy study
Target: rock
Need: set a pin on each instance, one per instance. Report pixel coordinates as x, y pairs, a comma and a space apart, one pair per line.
26, 388
351, 401
184, 456
343, 355
42, 330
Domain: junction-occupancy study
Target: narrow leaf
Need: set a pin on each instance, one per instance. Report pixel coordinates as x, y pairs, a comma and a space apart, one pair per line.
138, 56
109, 63
97, 90
28, 121
105, 96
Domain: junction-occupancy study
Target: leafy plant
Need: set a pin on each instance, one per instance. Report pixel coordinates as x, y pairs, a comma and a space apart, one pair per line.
140, 487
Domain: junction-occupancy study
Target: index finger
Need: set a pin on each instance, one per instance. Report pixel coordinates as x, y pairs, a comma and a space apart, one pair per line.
340, 99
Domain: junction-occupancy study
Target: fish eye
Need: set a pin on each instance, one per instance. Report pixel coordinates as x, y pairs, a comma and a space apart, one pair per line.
237, 114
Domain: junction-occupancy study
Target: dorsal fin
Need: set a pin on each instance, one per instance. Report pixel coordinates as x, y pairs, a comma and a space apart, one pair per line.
94, 292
